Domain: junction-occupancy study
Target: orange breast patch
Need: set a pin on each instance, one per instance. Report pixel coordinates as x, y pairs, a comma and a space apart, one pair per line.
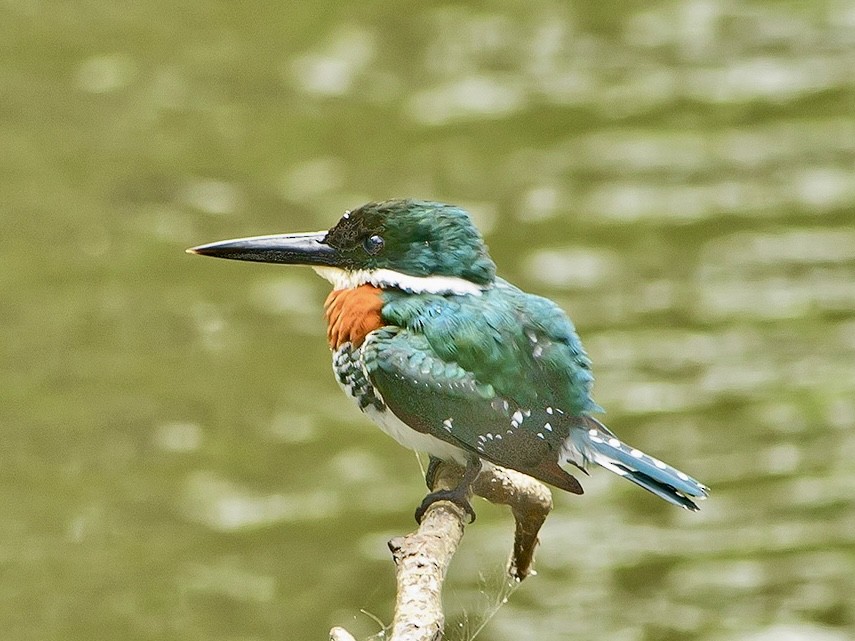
352, 313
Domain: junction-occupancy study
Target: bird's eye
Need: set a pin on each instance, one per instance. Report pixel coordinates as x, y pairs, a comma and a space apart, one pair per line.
373, 244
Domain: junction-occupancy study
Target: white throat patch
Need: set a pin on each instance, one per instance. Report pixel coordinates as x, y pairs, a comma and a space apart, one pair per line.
344, 279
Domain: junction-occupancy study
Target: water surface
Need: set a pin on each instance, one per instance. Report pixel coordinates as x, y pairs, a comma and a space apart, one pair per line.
177, 460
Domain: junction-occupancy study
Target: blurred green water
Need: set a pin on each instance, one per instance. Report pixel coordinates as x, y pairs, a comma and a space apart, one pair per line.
178, 462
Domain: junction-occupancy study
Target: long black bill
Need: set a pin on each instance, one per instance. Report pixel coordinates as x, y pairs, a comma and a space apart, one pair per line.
290, 249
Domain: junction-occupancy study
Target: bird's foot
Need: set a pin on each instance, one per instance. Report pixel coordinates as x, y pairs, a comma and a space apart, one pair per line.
459, 496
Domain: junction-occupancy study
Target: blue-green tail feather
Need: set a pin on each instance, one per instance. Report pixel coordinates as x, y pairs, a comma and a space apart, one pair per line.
594, 442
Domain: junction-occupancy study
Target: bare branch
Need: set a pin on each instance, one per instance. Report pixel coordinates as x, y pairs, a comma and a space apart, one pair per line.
340, 634
530, 502
422, 557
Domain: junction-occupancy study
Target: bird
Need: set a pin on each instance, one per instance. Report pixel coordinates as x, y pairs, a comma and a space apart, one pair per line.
450, 359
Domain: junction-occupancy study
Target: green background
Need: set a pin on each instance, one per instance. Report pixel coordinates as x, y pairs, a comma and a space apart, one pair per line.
176, 460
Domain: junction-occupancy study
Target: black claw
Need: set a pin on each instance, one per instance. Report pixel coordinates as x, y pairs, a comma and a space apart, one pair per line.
456, 496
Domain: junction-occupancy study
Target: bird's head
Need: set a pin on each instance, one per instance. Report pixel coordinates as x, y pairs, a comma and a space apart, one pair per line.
414, 245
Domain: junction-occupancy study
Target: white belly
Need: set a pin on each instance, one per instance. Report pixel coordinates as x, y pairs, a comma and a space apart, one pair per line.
410, 438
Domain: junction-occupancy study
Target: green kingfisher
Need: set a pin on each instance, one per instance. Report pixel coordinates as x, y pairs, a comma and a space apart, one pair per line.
448, 358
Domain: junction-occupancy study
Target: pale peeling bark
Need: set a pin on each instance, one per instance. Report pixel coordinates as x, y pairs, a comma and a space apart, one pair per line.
422, 557
340, 634
421, 560
530, 502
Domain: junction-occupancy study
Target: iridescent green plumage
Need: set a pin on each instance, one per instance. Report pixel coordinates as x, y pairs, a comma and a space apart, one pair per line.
463, 367
523, 346
461, 364
420, 238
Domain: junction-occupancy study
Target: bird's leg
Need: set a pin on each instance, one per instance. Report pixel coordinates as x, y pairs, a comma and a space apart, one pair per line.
433, 468
459, 495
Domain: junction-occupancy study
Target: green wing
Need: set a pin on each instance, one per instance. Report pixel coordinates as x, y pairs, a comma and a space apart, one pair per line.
440, 397
524, 346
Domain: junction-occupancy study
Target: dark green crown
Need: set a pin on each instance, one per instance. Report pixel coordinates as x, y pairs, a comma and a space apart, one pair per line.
415, 237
